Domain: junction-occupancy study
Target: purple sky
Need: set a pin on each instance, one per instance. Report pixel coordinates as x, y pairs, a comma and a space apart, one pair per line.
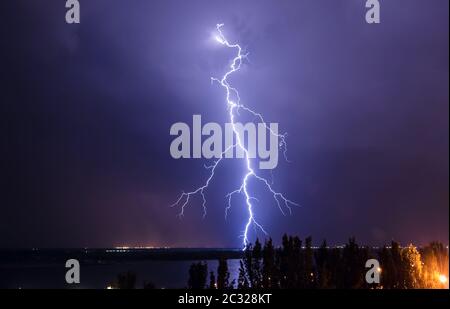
87, 110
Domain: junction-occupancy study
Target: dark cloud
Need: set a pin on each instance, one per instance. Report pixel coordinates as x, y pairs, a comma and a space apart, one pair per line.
87, 110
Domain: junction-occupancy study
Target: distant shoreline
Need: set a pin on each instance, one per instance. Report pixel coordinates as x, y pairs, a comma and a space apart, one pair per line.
105, 255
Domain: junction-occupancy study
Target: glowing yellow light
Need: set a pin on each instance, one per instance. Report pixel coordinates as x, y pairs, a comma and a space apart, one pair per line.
109, 287
443, 279
379, 269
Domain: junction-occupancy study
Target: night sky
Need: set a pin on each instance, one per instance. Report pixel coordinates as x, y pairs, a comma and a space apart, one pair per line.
86, 112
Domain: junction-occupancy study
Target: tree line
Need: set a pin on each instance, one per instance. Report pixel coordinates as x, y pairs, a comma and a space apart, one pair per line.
297, 265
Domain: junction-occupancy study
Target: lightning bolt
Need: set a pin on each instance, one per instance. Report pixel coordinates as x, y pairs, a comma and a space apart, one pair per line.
234, 105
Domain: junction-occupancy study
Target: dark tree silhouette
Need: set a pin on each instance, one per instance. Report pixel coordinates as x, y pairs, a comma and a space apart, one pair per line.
296, 263
212, 281
309, 280
389, 276
287, 263
354, 266
323, 268
257, 265
223, 276
125, 281
197, 275
269, 270
149, 286
399, 275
